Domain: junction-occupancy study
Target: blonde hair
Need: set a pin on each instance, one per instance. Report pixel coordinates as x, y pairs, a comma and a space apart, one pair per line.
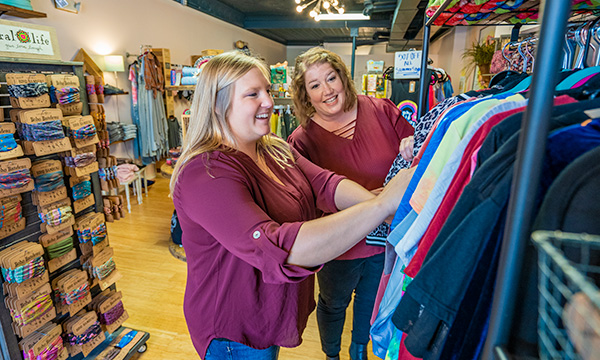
317, 55
208, 129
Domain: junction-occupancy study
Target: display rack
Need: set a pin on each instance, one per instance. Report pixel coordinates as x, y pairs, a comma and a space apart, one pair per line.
9, 347
528, 165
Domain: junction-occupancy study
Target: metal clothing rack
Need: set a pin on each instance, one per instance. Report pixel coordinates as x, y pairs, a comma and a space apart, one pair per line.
528, 164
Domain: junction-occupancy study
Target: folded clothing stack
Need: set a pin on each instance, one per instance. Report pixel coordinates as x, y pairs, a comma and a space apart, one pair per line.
126, 172
130, 131
189, 75
115, 131
121, 132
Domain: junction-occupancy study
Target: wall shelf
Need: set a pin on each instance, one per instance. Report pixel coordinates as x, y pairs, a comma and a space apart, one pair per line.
121, 141
18, 12
180, 87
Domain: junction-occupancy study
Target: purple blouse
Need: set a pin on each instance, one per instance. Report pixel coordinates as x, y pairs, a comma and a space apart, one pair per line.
366, 158
238, 227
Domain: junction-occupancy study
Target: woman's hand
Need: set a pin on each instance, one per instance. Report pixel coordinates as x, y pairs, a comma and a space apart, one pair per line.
407, 146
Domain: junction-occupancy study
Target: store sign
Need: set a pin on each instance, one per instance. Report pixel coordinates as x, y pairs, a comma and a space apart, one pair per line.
375, 66
28, 41
407, 65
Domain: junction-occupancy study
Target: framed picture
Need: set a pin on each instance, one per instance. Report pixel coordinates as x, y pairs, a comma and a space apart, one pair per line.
68, 5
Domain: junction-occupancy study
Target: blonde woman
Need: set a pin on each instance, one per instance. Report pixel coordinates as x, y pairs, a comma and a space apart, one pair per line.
247, 206
358, 137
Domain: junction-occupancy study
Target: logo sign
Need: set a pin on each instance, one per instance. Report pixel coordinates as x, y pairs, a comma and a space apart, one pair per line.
408, 109
407, 65
28, 41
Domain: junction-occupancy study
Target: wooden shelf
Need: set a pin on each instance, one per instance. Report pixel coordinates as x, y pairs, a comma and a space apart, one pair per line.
18, 12
283, 101
180, 87
121, 141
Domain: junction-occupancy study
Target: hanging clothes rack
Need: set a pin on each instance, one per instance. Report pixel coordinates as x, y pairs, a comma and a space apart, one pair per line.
530, 154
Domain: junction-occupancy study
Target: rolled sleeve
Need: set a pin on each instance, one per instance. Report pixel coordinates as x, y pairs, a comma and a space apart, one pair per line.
265, 236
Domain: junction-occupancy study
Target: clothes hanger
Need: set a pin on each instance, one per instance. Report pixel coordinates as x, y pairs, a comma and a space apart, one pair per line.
595, 43
505, 57
525, 58
576, 77
525, 83
530, 42
568, 49
580, 38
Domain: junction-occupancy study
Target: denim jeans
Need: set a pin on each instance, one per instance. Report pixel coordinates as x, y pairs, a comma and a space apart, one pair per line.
338, 279
223, 349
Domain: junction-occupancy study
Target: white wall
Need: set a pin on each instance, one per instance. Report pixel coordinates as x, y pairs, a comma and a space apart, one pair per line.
115, 27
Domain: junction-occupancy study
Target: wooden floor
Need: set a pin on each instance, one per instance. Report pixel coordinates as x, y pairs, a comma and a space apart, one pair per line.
153, 283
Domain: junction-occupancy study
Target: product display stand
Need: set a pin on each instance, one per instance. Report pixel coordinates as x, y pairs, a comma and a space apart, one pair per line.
137, 347
528, 165
9, 347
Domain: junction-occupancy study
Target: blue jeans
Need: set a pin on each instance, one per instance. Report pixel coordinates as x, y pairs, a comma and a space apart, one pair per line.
338, 279
223, 349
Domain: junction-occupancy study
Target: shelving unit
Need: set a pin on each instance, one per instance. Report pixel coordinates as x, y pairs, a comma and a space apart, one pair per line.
18, 12
528, 164
9, 347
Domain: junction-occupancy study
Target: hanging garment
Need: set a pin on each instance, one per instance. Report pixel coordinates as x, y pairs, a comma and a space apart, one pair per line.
135, 112
579, 140
448, 158
436, 138
472, 229
381, 329
461, 179
174, 132
448, 89
153, 121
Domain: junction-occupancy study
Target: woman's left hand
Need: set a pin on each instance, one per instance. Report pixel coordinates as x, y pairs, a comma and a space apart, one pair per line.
406, 148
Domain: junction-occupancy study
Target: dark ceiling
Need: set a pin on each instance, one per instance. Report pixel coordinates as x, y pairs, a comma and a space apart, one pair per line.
395, 22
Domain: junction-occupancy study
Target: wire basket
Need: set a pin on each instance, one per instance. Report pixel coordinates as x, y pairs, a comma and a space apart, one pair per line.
569, 306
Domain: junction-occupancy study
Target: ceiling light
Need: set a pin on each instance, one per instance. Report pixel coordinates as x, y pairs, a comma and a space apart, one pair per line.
347, 16
323, 9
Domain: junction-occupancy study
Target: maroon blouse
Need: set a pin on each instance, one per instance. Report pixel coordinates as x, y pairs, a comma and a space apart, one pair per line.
366, 158
238, 227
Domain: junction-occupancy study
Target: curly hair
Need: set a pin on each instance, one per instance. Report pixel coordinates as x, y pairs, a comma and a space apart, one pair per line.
317, 55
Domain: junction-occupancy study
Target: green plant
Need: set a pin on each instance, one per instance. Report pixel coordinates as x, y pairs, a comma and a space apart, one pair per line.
479, 55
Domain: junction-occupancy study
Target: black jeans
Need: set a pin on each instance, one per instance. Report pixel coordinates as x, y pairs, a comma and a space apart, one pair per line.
337, 281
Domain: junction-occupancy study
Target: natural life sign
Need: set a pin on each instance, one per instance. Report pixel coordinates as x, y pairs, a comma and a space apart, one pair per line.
28, 41
407, 65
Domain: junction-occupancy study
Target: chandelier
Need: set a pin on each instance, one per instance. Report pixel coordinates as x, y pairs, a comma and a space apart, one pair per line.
320, 7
